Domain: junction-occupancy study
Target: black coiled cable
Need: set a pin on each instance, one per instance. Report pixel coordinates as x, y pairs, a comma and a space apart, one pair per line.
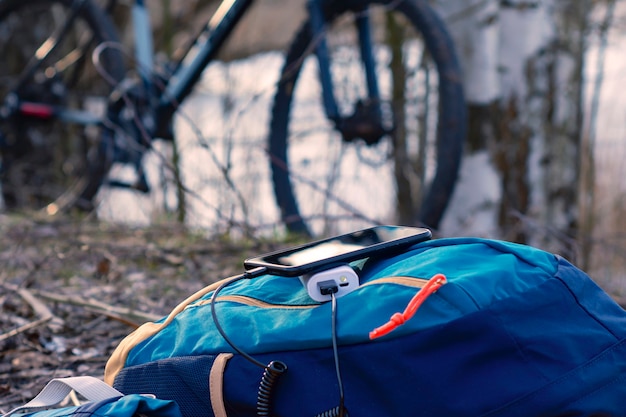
271, 371
334, 412
264, 397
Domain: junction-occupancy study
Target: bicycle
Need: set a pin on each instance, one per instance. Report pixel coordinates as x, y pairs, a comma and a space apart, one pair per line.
68, 110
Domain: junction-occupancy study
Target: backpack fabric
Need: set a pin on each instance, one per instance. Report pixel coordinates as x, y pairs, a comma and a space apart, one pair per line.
515, 331
125, 406
102, 400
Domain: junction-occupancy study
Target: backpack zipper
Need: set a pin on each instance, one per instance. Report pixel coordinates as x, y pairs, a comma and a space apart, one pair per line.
247, 300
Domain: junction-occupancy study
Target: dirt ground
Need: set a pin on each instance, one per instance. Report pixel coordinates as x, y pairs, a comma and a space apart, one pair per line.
71, 289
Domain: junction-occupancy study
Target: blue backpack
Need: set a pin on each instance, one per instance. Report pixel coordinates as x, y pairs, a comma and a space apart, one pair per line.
501, 330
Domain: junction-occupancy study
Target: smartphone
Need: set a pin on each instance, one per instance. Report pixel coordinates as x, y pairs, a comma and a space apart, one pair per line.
328, 253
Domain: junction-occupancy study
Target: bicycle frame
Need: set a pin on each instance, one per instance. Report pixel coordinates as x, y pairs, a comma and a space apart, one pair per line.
202, 50
189, 68
163, 101
200, 53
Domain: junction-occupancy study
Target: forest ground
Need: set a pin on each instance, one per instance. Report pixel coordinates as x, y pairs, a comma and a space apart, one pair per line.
71, 289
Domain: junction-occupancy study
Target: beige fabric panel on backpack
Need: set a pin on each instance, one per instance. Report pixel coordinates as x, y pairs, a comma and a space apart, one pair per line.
216, 384
118, 357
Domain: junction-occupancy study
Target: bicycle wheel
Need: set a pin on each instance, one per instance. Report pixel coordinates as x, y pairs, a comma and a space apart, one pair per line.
328, 178
52, 147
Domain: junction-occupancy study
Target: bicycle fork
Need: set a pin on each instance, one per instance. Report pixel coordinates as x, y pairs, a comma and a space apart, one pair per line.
366, 121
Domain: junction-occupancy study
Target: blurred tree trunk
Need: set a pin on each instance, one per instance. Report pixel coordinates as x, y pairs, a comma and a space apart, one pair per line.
523, 66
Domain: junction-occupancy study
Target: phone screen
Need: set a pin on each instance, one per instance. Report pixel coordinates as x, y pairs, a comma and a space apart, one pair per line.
346, 248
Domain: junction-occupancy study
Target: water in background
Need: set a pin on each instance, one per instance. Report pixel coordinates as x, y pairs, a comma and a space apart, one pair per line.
221, 133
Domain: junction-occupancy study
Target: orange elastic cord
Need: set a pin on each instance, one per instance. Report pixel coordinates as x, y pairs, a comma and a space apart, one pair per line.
399, 319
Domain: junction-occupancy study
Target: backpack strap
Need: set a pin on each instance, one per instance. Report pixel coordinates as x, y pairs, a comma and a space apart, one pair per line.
57, 389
